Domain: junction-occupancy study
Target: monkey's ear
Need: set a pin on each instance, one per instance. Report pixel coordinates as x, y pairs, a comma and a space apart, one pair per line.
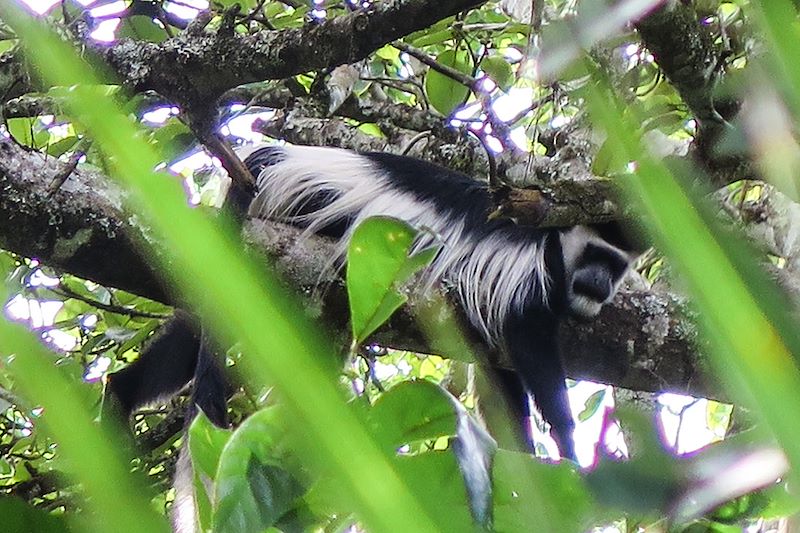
166, 365
626, 235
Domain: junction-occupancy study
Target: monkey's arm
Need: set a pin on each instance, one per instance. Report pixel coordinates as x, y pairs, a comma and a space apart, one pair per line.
532, 341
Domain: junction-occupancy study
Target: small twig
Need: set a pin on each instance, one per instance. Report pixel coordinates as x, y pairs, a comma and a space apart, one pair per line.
450, 72
64, 13
397, 84
537, 12
184, 4
371, 377
494, 180
256, 15
500, 128
414, 140
533, 107
116, 309
681, 420
488, 26
230, 162
393, 81
198, 25
69, 166
162, 18
11, 398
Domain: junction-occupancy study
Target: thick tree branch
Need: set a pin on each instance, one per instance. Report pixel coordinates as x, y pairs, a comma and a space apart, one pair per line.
85, 215
695, 65
195, 69
30, 106
686, 53
639, 342
361, 109
562, 203
445, 147
15, 77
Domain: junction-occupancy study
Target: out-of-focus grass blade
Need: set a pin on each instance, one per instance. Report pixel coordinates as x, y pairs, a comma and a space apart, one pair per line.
744, 316
773, 138
778, 19
118, 500
241, 301
562, 43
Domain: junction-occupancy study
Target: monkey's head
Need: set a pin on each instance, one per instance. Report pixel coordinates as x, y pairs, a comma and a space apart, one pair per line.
596, 260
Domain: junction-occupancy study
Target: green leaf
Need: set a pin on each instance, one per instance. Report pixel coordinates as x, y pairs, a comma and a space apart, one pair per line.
141, 28
413, 411
377, 264
370, 128
591, 405
433, 37
560, 52
253, 490
444, 93
22, 130
527, 491
420, 410
19, 517
389, 53
61, 147
608, 161
206, 442
7, 45
648, 481
781, 501
141, 334
246, 5
499, 70
436, 478
172, 138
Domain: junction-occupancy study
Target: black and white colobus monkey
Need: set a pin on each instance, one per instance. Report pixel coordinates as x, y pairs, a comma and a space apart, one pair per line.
514, 283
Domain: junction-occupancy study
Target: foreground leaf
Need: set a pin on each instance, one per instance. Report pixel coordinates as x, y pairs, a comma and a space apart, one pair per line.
377, 265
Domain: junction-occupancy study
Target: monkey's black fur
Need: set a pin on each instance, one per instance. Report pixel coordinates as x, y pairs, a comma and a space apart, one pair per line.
514, 283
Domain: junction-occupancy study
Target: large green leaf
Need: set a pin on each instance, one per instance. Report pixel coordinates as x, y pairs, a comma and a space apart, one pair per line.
499, 70
526, 492
645, 483
172, 139
444, 93
19, 517
28, 131
435, 476
413, 411
377, 265
206, 442
421, 410
141, 28
253, 491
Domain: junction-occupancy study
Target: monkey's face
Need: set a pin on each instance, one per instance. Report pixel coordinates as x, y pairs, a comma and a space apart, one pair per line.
593, 270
